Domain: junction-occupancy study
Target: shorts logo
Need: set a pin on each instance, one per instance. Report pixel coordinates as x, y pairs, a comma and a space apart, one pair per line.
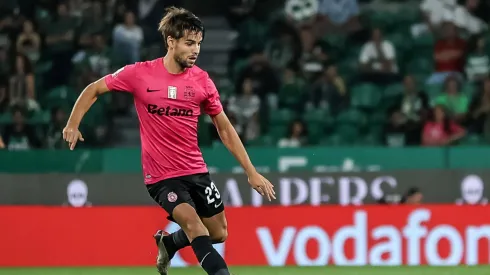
172, 197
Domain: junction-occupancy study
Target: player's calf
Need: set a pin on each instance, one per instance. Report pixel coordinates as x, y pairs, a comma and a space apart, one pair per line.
209, 259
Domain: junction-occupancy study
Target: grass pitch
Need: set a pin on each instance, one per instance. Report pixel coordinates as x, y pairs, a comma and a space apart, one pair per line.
460, 270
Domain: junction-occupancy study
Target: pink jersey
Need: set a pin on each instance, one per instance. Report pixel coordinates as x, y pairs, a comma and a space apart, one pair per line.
168, 107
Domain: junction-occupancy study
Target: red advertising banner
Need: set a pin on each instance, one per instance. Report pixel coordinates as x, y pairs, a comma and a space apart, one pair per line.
326, 235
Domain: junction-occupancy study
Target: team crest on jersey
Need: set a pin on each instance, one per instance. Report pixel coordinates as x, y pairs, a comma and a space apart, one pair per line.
172, 92
189, 92
172, 197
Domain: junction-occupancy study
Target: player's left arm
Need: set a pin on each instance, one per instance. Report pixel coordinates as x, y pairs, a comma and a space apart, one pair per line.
231, 140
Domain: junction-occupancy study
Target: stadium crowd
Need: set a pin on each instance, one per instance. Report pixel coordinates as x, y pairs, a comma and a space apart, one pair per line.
305, 72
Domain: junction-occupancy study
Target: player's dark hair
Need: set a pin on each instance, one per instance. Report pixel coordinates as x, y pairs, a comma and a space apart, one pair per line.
178, 21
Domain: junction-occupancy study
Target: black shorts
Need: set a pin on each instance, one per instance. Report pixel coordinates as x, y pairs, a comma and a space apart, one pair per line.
198, 190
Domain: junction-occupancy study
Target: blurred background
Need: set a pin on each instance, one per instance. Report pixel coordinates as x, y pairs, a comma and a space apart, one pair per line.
339, 102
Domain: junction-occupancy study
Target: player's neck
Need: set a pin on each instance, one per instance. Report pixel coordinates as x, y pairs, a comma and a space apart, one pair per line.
172, 66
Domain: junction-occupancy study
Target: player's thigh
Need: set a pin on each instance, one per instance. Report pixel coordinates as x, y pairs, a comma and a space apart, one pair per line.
186, 216
217, 226
206, 196
173, 196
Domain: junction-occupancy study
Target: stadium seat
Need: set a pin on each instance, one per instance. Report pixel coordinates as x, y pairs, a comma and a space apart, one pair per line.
471, 139
5, 118
333, 140
433, 90
468, 89
281, 116
419, 65
277, 132
352, 117
318, 115
370, 139
425, 40
264, 140
41, 117
348, 133
365, 96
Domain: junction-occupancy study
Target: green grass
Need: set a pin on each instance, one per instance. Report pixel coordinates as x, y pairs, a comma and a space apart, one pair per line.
478, 270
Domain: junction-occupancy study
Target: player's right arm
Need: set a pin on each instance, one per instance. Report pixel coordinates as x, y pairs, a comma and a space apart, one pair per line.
121, 80
89, 95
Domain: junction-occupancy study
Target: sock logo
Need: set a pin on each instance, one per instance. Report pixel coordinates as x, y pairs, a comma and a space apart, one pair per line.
202, 261
172, 197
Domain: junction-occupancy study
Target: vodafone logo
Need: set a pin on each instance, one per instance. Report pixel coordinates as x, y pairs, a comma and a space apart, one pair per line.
358, 244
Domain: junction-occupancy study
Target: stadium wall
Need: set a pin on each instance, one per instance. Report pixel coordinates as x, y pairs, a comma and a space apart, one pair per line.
320, 159
293, 188
275, 236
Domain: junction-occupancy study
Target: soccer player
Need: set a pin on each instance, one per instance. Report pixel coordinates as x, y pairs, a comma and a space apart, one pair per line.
169, 94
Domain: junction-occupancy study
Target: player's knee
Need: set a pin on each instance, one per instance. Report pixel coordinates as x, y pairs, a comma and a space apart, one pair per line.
220, 235
195, 228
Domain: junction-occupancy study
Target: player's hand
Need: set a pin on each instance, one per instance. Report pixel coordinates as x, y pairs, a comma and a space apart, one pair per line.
262, 185
72, 135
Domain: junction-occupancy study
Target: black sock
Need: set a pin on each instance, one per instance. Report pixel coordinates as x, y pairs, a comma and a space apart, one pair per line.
175, 241
209, 259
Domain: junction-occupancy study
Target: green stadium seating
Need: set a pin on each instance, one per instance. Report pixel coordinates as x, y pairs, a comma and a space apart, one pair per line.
352, 117
264, 140
281, 116
348, 133
365, 96
471, 139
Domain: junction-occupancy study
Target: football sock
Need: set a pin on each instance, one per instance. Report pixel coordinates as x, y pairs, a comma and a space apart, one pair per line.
209, 259
175, 241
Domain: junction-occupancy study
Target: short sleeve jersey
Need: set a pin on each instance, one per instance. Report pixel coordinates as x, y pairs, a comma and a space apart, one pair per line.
168, 107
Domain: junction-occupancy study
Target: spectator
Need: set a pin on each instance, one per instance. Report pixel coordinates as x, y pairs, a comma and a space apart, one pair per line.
245, 107
97, 61
54, 138
338, 17
283, 46
378, 60
238, 11
297, 136
60, 35
314, 56
4, 64
477, 62
291, 94
448, 54
329, 91
453, 100
434, 13
93, 23
480, 109
128, 38
440, 130
22, 84
412, 196
29, 42
6, 22
302, 12
263, 76
19, 135
406, 121
414, 104
466, 21
395, 131
4, 99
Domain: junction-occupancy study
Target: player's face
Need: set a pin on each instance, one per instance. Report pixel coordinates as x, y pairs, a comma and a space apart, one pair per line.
187, 49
